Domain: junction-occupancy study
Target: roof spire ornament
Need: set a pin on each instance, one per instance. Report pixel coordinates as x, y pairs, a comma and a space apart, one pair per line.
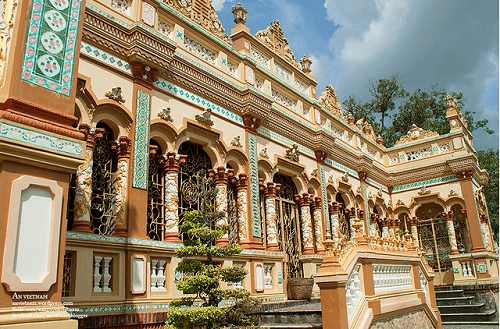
239, 14
305, 63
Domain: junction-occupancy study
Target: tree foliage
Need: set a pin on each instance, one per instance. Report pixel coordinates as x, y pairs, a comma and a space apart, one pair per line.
488, 160
207, 305
425, 108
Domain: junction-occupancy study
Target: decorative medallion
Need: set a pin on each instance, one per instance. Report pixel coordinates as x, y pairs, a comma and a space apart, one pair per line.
263, 153
292, 153
50, 44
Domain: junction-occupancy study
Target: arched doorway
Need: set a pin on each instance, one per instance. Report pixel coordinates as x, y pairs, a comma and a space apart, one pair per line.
434, 241
288, 224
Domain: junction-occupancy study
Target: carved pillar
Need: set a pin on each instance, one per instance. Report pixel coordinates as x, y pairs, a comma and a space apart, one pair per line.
242, 204
121, 185
451, 231
171, 167
414, 230
318, 224
306, 223
390, 224
83, 188
352, 219
485, 232
333, 210
397, 228
472, 211
271, 216
385, 228
220, 178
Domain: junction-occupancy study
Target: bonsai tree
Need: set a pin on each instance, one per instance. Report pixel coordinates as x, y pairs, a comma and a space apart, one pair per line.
207, 305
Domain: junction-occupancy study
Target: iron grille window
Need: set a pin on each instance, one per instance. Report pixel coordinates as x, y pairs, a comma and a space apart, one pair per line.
102, 208
68, 284
198, 162
70, 212
156, 195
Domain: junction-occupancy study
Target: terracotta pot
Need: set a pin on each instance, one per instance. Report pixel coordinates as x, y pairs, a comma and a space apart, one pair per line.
299, 288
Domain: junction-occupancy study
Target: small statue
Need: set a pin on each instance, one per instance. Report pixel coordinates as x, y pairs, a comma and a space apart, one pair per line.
293, 153
205, 118
115, 94
236, 142
263, 153
165, 114
345, 177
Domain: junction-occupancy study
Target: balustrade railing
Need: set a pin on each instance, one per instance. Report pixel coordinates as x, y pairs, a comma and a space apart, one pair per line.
367, 277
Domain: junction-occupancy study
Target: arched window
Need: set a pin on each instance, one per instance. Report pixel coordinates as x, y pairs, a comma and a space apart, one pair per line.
156, 193
344, 220
198, 162
102, 206
288, 223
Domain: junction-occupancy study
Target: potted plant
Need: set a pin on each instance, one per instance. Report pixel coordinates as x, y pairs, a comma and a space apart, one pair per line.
298, 287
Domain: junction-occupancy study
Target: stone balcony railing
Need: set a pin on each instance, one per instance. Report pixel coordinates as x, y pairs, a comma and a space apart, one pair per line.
368, 278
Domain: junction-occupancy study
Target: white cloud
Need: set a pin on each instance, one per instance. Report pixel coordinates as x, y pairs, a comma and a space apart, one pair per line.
452, 43
218, 4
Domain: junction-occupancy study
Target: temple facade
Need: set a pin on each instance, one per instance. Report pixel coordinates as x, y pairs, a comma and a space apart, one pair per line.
111, 108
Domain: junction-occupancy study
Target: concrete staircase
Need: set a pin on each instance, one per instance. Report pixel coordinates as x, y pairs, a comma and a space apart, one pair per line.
459, 309
290, 315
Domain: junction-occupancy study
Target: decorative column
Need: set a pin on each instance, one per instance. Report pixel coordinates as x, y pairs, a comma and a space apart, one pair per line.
83, 188
122, 148
171, 168
397, 227
333, 210
220, 178
385, 228
318, 224
271, 216
352, 219
451, 231
472, 211
414, 230
390, 224
306, 222
242, 204
485, 231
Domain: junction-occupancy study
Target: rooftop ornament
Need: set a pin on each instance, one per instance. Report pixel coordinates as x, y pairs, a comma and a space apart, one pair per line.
416, 133
306, 63
329, 101
239, 14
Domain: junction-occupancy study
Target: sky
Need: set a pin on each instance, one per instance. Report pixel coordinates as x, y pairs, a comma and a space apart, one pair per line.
451, 44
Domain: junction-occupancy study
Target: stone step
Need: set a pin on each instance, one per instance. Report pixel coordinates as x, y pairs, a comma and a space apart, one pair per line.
289, 317
291, 326
486, 316
450, 293
470, 325
454, 300
461, 308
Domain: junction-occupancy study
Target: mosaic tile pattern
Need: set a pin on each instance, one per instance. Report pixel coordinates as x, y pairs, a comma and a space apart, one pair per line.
141, 143
341, 167
50, 44
254, 184
40, 140
324, 197
197, 100
105, 57
427, 183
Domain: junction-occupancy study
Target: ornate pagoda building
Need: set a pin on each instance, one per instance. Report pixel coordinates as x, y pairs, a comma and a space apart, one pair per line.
110, 108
